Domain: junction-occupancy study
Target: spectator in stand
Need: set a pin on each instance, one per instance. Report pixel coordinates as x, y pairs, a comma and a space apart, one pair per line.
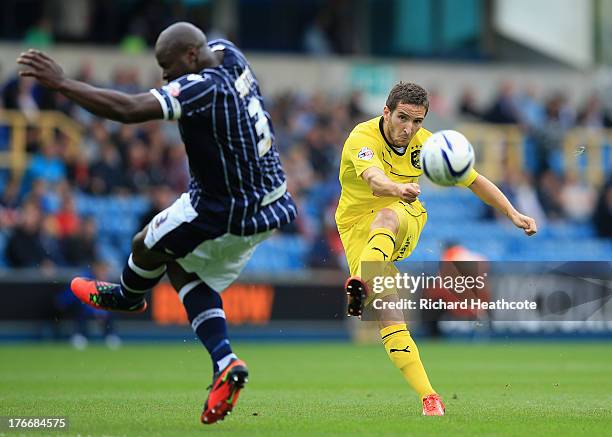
321, 154
577, 198
126, 80
519, 189
80, 249
23, 94
139, 172
106, 175
300, 170
592, 115
46, 165
549, 195
531, 112
504, 109
18, 94
78, 171
24, 247
326, 250
44, 196
123, 137
68, 221
548, 136
96, 136
468, 108
355, 108
51, 240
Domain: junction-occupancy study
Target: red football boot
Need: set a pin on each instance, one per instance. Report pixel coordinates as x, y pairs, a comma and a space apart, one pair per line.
224, 391
433, 405
105, 296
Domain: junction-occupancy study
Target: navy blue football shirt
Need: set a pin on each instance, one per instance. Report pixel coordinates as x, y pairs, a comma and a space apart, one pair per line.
238, 184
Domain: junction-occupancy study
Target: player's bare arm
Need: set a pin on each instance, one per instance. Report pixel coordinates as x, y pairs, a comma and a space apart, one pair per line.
382, 186
114, 105
490, 194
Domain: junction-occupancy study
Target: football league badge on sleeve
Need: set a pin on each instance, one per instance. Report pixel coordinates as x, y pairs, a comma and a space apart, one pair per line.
365, 153
173, 88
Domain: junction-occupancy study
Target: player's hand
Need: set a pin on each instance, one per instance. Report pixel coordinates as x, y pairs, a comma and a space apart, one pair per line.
524, 222
409, 192
41, 67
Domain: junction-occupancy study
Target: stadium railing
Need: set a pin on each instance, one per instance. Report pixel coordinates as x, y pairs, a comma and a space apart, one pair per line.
585, 152
15, 158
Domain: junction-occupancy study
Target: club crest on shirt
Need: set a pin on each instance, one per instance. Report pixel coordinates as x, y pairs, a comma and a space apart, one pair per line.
173, 88
365, 153
415, 156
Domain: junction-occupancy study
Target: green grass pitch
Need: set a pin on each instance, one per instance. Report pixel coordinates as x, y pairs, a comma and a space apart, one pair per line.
310, 389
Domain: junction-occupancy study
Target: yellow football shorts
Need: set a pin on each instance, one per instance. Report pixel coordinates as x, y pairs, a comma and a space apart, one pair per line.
412, 220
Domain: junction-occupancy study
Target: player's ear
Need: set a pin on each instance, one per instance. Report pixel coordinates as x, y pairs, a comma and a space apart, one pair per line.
192, 55
386, 112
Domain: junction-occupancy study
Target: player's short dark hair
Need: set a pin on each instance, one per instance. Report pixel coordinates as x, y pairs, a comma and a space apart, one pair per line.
407, 93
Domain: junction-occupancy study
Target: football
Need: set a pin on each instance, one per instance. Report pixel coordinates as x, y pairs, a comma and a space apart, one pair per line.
447, 157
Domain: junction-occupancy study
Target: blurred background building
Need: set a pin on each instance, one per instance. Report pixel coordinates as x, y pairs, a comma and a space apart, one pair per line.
528, 82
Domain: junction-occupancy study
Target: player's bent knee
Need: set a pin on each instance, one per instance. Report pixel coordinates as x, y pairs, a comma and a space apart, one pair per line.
145, 257
138, 243
386, 218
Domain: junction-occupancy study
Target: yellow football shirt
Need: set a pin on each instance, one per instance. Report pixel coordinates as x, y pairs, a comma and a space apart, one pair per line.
366, 147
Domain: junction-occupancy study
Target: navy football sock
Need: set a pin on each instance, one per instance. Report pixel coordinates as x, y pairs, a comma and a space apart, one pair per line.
205, 312
136, 281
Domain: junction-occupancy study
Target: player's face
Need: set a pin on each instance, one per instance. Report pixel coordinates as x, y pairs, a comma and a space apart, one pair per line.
172, 67
403, 122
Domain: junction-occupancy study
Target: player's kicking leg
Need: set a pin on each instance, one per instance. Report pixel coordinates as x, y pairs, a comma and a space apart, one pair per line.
143, 270
400, 347
205, 312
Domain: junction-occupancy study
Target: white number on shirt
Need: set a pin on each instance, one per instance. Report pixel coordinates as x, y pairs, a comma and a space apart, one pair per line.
261, 126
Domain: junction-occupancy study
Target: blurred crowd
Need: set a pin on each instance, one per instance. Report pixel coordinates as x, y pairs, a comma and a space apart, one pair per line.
44, 228
39, 210
546, 190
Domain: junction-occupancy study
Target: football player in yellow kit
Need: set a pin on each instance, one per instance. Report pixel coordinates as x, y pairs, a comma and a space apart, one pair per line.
380, 217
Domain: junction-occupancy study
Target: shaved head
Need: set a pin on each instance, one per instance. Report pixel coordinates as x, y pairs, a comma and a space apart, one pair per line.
180, 37
182, 48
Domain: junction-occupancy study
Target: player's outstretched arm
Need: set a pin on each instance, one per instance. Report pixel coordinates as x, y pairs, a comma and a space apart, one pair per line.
488, 192
382, 186
102, 102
